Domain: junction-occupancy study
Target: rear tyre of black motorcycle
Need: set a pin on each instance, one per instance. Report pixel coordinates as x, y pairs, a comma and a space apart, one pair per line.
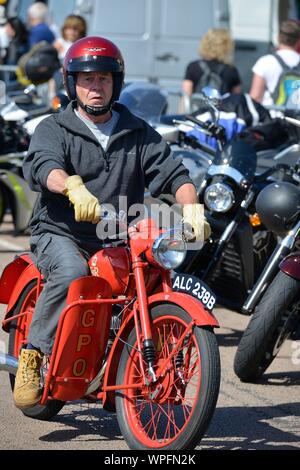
2, 205
40, 412
267, 328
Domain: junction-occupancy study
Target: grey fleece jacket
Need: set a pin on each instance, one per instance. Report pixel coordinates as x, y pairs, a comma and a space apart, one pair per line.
136, 157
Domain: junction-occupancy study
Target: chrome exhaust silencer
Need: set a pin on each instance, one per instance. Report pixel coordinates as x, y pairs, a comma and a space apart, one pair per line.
8, 363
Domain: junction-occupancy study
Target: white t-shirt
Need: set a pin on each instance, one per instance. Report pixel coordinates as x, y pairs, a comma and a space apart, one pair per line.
4, 40
102, 132
269, 68
64, 47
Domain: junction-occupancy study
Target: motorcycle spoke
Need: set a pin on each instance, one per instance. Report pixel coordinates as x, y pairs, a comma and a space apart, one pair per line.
143, 406
168, 417
165, 341
151, 422
168, 427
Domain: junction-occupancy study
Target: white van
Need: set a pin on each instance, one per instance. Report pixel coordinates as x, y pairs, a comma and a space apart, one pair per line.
157, 37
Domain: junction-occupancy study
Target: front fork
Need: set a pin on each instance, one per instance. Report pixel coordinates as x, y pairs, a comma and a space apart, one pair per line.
225, 237
271, 269
148, 345
142, 313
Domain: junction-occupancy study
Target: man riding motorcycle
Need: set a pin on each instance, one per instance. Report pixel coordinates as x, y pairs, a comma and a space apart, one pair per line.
95, 151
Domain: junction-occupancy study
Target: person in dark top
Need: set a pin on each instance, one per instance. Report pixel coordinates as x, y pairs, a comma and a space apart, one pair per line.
215, 49
18, 45
92, 153
39, 29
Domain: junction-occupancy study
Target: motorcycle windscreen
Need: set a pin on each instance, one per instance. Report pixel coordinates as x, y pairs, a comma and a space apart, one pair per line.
239, 156
145, 100
81, 338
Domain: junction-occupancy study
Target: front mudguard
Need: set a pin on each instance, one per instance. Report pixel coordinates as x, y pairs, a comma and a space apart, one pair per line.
290, 265
192, 306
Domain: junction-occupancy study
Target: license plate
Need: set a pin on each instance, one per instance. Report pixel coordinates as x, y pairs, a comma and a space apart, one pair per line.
193, 286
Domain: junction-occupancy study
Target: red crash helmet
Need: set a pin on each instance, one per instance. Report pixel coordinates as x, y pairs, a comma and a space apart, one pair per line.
93, 54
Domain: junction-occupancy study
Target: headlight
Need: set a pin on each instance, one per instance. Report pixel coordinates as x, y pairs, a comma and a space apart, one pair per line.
219, 197
169, 250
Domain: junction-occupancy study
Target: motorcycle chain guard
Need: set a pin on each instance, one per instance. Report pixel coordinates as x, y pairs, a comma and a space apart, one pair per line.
81, 339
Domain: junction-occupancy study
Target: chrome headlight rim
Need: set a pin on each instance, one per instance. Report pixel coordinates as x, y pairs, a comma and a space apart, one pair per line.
170, 236
226, 170
218, 187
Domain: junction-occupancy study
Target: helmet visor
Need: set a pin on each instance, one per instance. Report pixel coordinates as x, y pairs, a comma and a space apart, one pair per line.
95, 64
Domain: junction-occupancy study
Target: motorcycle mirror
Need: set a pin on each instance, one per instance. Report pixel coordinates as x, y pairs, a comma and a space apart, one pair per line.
212, 99
211, 93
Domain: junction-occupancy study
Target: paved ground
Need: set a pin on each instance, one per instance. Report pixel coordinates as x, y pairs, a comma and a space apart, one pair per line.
261, 416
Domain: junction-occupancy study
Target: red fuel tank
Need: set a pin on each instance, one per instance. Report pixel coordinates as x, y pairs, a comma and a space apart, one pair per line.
113, 265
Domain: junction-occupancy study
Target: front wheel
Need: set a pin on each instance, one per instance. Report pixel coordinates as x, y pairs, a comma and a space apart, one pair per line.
274, 320
174, 412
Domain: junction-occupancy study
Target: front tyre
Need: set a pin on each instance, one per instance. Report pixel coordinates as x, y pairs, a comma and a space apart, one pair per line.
174, 412
272, 323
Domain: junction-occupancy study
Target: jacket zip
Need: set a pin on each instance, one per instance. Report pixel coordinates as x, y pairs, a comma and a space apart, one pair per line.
106, 158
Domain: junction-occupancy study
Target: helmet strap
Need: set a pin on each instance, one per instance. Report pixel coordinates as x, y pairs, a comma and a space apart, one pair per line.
94, 110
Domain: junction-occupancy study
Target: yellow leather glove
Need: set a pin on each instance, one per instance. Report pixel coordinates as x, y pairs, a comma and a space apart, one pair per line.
87, 207
193, 215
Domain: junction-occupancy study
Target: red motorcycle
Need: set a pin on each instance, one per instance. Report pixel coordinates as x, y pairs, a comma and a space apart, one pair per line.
160, 370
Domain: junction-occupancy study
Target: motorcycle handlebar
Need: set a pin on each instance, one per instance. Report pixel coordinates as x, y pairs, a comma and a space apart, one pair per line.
270, 171
185, 229
214, 129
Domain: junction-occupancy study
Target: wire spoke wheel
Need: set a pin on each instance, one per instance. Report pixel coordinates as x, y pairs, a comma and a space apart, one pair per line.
173, 412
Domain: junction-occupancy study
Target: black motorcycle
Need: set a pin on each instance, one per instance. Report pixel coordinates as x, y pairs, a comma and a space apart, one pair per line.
15, 194
240, 246
276, 296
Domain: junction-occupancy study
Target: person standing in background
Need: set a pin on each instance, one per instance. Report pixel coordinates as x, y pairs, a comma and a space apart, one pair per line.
39, 29
18, 40
3, 36
17, 35
74, 28
268, 69
215, 51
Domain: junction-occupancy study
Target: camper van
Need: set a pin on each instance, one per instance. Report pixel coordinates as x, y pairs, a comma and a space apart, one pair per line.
158, 38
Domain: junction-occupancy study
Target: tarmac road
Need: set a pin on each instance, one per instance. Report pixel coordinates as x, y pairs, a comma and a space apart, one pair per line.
248, 416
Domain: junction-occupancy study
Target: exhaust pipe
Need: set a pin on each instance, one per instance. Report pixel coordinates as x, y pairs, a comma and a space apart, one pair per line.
8, 363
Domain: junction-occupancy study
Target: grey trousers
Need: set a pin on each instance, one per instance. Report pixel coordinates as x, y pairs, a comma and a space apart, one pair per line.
61, 261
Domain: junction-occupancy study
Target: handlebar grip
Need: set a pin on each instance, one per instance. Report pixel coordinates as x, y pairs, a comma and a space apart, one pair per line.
202, 124
214, 129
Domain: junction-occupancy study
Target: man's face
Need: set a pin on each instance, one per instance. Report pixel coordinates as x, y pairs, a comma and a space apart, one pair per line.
94, 88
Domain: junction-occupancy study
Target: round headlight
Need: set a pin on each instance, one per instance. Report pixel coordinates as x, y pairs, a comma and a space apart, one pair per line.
219, 197
169, 250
